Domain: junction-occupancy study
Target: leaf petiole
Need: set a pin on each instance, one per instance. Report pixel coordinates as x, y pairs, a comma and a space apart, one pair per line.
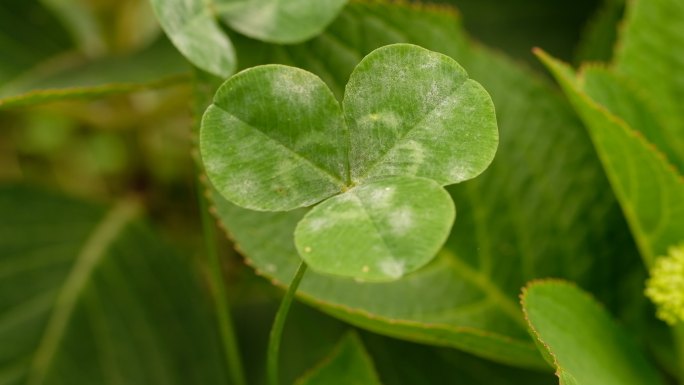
278, 325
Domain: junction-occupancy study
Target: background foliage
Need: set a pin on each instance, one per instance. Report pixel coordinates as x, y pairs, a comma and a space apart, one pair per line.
111, 273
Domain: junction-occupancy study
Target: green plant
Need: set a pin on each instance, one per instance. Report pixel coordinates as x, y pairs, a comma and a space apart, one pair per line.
586, 186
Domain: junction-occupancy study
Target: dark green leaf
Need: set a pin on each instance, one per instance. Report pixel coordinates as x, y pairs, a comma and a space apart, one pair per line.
89, 296
347, 364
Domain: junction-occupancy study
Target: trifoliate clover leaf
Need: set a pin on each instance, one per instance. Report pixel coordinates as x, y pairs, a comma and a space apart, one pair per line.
275, 139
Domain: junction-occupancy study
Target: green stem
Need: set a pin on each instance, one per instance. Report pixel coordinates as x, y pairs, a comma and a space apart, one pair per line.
279, 324
218, 285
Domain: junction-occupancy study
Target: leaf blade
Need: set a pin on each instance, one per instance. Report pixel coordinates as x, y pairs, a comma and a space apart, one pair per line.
587, 345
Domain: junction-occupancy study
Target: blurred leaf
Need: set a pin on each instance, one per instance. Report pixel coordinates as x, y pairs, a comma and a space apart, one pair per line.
78, 17
648, 53
404, 363
600, 33
72, 77
378, 231
650, 190
91, 296
276, 21
29, 34
347, 364
587, 346
192, 28
525, 217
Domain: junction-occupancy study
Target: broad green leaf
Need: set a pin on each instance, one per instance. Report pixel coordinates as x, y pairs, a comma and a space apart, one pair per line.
347, 364
192, 28
650, 190
77, 78
467, 297
387, 227
411, 111
274, 139
648, 53
587, 346
277, 21
91, 296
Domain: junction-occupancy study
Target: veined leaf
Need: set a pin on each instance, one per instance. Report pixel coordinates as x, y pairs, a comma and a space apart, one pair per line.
348, 363
90, 296
650, 190
274, 139
276, 21
648, 54
192, 28
386, 228
587, 346
465, 298
411, 111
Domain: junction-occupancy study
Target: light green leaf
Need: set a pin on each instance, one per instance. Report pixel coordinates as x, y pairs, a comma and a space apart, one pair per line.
193, 30
650, 190
588, 347
347, 364
411, 111
648, 53
467, 297
274, 139
90, 296
378, 231
277, 21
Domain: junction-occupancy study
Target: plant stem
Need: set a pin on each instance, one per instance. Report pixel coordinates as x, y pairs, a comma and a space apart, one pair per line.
278, 326
218, 285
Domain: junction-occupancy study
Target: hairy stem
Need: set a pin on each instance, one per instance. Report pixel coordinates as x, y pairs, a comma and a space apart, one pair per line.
218, 285
279, 324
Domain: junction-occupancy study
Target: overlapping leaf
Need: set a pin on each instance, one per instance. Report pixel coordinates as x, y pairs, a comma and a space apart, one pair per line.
650, 190
466, 298
587, 346
89, 296
277, 21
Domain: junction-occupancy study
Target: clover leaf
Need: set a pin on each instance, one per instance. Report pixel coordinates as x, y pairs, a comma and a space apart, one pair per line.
275, 139
192, 26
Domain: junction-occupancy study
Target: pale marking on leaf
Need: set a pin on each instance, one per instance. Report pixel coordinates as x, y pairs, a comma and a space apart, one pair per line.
392, 268
382, 197
401, 221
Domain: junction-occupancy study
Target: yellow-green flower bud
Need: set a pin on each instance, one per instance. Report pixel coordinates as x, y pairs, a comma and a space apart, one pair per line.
665, 287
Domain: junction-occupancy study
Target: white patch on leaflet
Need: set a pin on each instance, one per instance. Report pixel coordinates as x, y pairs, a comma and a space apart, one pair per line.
381, 197
401, 221
392, 268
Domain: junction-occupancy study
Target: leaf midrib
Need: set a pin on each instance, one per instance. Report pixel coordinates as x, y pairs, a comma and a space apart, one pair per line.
91, 254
